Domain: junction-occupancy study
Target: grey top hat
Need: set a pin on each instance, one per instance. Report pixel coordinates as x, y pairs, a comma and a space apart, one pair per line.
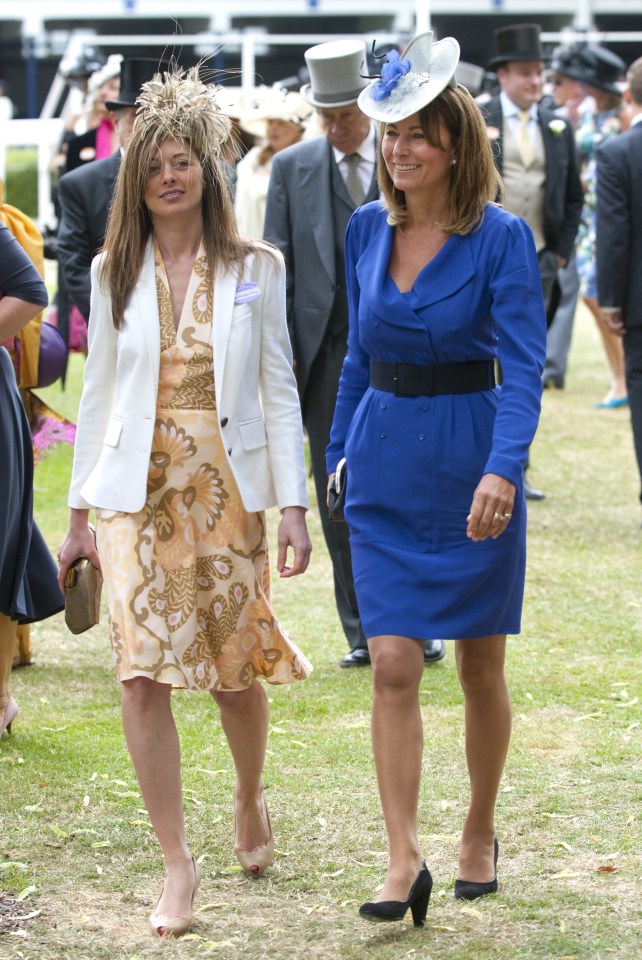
471, 76
335, 73
519, 42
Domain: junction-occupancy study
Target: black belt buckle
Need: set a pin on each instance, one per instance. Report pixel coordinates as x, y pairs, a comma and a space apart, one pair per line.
414, 381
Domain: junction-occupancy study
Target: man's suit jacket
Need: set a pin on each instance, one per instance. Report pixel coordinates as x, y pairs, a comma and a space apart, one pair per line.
84, 195
299, 221
255, 389
619, 224
563, 194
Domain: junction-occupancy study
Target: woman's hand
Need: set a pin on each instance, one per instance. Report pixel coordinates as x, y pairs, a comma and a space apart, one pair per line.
293, 532
492, 507
79, 542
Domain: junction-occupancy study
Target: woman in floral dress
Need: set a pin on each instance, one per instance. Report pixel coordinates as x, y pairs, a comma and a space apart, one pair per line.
189, 428
598, 122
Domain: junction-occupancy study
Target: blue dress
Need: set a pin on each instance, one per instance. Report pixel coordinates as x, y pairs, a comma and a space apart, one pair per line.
28, 575
414, 462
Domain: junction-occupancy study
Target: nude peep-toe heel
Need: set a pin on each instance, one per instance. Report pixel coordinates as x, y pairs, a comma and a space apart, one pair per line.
175, 926
10, 714
256, 861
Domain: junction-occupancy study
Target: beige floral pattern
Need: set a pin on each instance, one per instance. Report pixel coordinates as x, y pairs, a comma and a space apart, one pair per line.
187, 579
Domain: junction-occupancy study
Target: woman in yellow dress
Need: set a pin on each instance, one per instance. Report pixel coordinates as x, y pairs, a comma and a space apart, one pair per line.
188, 429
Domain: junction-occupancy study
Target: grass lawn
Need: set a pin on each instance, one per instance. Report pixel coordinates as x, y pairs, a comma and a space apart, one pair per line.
76, 845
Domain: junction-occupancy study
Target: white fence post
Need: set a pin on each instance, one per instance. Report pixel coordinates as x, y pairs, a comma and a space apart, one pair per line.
45, 135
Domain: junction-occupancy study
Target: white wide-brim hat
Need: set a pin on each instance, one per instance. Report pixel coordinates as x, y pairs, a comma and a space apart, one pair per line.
274, 103
232, 101
412, 80
335, 73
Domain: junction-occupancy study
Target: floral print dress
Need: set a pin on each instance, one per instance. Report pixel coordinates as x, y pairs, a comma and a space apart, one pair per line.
187, 578
593, 129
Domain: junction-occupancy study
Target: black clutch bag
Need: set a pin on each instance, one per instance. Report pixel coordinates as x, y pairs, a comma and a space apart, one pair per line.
337, 492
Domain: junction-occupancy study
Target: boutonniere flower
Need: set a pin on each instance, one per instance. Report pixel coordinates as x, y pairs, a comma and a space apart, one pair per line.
246, 292
492, 133
391, 74
557, 127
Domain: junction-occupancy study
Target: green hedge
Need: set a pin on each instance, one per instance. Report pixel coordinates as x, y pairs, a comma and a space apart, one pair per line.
21, 186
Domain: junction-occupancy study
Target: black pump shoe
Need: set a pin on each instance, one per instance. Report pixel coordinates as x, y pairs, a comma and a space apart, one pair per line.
396, 909
472, 890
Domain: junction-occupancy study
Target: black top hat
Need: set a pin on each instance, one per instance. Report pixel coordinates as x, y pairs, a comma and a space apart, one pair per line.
133, 74
592, 65
520, 42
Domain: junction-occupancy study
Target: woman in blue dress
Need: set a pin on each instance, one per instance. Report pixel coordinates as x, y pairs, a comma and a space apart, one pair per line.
28, 588
442, 283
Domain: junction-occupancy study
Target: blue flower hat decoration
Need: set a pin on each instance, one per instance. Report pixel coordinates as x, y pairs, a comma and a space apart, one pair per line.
411, 80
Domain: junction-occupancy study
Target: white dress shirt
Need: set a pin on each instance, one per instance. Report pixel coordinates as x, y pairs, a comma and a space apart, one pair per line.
511, 111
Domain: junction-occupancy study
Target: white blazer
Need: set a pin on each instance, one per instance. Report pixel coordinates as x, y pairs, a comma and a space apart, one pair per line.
256, 396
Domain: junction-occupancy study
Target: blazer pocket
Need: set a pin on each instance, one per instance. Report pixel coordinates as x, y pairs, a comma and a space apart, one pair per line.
113, 431
241, 320
253, 434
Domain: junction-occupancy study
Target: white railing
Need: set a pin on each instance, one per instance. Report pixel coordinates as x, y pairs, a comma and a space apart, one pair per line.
46, 136
46, 132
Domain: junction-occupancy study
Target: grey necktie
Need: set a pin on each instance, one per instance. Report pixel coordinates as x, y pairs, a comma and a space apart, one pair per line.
353, 183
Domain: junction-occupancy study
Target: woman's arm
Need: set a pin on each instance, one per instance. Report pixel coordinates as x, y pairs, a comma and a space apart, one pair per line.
22, 292
278, 391
15, 314
98, 391
518, 314
284, 427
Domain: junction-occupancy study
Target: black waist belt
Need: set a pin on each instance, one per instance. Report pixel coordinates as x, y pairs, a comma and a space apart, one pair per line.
408, 380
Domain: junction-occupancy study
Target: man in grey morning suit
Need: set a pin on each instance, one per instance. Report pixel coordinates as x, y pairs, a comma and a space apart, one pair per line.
314, 188
619, 245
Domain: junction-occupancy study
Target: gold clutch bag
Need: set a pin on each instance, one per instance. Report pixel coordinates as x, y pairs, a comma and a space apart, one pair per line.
83, 585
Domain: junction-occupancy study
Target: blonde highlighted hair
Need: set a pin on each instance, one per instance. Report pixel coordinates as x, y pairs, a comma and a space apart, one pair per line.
181, 107
474, 180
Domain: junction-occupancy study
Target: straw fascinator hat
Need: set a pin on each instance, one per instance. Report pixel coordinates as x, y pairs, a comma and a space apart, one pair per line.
412, 80
274, 103
180, 106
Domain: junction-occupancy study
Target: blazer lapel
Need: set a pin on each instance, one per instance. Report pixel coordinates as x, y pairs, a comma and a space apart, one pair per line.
495, 124
147, 310
551, 144
316, 192
224, 293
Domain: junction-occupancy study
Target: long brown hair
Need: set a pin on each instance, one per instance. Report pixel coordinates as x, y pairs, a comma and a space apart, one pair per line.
474, 180
180, 108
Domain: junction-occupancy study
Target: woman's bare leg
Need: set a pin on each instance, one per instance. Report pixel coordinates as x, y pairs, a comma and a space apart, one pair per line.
245, 716
8, 628
480, 663
397, 742
154, 747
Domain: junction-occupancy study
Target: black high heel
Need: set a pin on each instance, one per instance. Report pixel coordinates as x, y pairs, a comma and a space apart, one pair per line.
418, 899
472, 890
